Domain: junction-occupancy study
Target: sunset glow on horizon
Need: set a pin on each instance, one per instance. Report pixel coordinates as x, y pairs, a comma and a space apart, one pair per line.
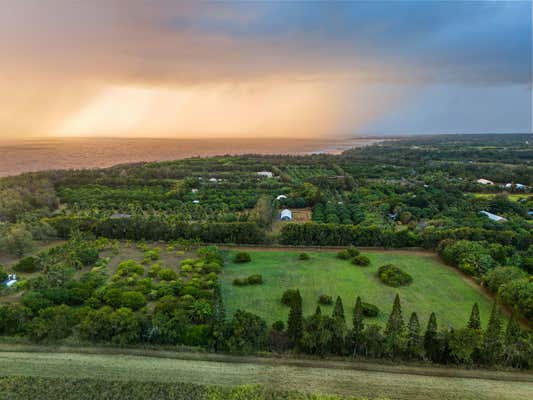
296, 109
261, 69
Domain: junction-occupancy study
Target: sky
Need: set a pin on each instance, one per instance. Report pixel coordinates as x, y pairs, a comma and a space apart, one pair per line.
195, 69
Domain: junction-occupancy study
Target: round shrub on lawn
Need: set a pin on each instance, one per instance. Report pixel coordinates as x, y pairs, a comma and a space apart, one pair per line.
352, 251
361, 260
242, 257
287, 296
255, 279
240, 282
343, 255
393, 276
304, 256
325, 299
370, 310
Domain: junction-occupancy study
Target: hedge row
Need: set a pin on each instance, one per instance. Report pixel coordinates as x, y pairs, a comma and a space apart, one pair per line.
155, 228
312, 234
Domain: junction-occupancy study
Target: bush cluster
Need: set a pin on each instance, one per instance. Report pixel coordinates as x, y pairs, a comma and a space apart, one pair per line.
348, 253
360, 260
393, 276
255, 279
242, 258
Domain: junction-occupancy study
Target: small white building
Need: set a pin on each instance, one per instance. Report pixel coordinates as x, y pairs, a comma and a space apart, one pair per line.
485, 181
194, 190
281, 197
196, 201
493, 217
214, 180
286, 215
265, 174
11, 280
518, 186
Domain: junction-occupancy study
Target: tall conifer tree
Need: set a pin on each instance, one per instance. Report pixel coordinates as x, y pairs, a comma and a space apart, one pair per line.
295, 321
414, 339
491, 346
394, 331
431, 342
474, 322
338, 310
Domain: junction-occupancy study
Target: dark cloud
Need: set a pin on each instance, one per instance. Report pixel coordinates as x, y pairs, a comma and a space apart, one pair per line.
386, 54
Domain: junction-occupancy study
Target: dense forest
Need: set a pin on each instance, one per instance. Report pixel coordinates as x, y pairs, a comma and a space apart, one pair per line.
469, 198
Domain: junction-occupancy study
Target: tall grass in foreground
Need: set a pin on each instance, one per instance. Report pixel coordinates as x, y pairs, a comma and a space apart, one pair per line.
23, 388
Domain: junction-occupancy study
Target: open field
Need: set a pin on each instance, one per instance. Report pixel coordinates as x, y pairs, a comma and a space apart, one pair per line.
340, 378
436, 287
512, 197
7, 259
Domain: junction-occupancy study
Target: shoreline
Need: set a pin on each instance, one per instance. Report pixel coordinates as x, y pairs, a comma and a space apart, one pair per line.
44, 154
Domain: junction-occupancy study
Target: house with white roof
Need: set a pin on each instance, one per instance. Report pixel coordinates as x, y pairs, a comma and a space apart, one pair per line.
286, 215
265, 174
494, 217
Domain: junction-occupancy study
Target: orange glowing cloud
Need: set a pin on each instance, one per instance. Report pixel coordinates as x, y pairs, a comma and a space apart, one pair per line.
280, 108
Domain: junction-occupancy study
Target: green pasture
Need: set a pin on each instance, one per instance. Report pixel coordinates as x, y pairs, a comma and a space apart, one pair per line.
436, 287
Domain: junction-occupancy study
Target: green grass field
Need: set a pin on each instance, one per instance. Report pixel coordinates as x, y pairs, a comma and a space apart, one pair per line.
512, 197
436, 287
341, 378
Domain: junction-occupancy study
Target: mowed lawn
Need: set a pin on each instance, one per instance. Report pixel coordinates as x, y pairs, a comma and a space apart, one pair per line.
435, 286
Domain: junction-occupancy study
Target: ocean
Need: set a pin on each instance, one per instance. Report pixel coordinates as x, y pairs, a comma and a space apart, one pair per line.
75, 153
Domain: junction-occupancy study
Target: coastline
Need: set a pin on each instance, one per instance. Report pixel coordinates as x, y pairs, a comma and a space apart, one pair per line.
33, 155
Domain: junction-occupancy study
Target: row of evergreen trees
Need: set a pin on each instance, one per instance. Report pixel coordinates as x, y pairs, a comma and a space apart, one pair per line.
322, 335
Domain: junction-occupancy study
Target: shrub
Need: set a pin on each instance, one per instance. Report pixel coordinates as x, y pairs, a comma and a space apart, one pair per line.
152, 255
3, 274
352, 251
133, 300
325, 299
348, 253
304, 256
287, 296
87, 256
370, 310
393, 276
35, 301
251, 280
154, 270
27, 264
255, 279
361, 260
240, 282
501, 275
343, 255
129, 268
519, 293
166, 274
242, 258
